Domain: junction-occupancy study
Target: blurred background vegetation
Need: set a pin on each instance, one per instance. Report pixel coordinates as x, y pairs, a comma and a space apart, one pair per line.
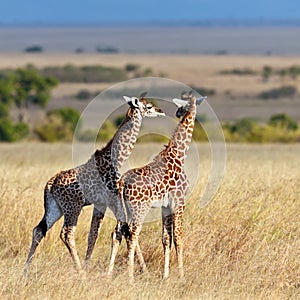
22, 89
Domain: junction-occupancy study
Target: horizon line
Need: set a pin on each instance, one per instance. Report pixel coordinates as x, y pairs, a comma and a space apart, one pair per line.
159, 23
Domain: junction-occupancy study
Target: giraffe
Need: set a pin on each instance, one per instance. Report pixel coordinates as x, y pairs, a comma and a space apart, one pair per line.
162, 181
94, 182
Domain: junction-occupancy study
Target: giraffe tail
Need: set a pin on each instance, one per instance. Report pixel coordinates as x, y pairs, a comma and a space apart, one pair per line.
123, 213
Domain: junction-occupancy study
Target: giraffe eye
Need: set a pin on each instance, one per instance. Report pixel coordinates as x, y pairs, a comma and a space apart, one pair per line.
149, 106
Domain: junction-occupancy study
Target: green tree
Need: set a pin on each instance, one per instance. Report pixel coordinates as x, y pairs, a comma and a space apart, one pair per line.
31, 88
7, 89
4, 110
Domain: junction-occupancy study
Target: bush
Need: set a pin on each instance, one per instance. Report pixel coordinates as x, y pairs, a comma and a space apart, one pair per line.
153, 138
10, 132
131, 67
107, 49
86, 95
282, 92
68, 115
119, 119
87, 135
34, 48
280, 129
4, 110
204, 91
70, 73
266, 72
235, 71
54, 129
283, 121
7, 130
83, 95
107, 131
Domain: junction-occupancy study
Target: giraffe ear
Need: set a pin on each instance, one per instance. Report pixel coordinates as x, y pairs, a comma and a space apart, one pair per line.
180, 102
132, 101
200, 100
127, 99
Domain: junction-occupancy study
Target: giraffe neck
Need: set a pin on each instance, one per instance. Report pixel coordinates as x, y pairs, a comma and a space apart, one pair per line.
182, 135
121, 145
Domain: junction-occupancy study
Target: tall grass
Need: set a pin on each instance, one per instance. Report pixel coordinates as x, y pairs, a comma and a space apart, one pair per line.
243, 245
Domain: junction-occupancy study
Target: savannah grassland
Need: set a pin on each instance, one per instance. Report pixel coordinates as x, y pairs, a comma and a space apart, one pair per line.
243, 245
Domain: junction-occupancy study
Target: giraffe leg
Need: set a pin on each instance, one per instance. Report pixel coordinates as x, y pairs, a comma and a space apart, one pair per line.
132, 245
140, 257
116, 241
167, 221
177, 231
67, 235
138, 250
52, 214
96, 224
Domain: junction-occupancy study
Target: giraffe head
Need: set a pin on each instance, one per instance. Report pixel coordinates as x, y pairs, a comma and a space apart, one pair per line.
185, 103
143, 106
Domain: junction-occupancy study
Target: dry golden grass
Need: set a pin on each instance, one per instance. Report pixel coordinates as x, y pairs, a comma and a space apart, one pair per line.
244, 245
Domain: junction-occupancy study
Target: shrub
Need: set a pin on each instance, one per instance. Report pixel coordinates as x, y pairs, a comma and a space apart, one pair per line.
107, 131
204, 91
119, 119
131, 67
284, 121
266, 72
70, 73
34, 48
87, 135
235, 71
54, 129
21, 130
4, 110
107, 49
294, 71
7, 130
199, 134
10, 132
68, 115
153, 138
282, 92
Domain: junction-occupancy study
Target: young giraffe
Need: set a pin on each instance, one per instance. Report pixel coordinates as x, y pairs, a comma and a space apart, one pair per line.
163, 181
94, 182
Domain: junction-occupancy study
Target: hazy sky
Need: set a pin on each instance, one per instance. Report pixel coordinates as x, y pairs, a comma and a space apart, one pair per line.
111, 11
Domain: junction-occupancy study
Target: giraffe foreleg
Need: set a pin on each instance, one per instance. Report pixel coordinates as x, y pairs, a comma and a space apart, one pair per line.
167, 221
116, 237
96, 224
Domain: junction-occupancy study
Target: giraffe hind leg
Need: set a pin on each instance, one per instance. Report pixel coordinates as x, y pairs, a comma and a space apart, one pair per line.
67, 235
167, 222
52, 214
96, 224
177, 229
